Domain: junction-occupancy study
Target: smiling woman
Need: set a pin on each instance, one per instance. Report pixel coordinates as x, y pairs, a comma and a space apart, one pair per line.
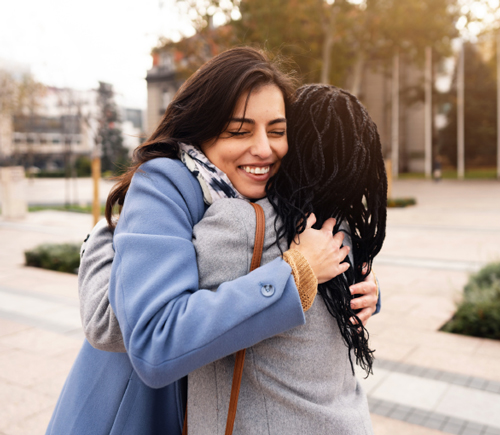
234, 109
250, 150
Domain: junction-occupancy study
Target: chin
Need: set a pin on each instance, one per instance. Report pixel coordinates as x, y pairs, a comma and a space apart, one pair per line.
253, 193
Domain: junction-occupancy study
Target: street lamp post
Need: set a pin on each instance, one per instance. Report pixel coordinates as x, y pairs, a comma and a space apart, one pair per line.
395, 116
428, 112
460, 115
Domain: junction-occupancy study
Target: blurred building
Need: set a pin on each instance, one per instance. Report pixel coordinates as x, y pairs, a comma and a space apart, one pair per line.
174, 62
376, 95
60, 128
163, 82
56, 130
132, 126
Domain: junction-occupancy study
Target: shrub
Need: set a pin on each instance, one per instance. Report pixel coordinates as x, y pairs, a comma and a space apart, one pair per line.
62, 258
478, 314
400, 202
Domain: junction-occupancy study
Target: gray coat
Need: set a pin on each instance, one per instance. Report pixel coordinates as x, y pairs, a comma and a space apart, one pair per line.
297, 382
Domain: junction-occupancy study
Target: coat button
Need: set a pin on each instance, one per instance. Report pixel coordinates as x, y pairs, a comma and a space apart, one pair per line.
267, 290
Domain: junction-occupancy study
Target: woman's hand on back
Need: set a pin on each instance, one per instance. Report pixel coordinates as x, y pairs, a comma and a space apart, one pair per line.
322, 249
367, 300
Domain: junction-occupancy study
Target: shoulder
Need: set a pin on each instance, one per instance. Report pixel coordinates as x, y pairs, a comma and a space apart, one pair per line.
230, 207
167, 171
240, 210
226, 219
166, 181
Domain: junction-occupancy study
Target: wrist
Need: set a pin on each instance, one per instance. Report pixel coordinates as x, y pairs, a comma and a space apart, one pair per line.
304, 276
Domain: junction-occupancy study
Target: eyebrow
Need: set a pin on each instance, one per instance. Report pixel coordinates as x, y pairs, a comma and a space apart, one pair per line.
251, 121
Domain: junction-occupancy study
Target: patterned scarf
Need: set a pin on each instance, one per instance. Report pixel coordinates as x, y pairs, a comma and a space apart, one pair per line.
214, 183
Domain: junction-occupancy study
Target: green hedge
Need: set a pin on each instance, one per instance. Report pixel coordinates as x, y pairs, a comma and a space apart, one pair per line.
478, 314
400, 202
62, 258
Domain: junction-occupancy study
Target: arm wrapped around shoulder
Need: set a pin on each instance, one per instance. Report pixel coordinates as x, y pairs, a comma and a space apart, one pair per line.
99, 322
305, 279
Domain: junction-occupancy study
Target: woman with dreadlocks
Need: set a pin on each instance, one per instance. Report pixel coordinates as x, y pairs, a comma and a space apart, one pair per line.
302, 381
334, 168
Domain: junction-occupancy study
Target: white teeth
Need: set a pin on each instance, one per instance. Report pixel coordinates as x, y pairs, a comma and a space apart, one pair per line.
256, 169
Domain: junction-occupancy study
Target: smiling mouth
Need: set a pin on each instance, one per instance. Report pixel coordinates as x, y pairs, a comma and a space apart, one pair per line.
256, 170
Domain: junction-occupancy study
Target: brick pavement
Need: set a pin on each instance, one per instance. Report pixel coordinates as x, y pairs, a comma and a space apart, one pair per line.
426, 382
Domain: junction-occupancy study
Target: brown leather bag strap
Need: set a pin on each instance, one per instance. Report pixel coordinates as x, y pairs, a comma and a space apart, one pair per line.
260, 230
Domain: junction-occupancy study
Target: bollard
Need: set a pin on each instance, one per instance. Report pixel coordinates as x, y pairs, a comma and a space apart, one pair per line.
13, 192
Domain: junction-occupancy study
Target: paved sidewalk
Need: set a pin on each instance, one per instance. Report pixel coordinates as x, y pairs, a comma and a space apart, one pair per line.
426, 382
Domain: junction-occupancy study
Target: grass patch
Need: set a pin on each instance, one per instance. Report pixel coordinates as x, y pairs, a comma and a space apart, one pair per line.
400, 202
411, 176
73, 208
451, 174
478, 314
61, 257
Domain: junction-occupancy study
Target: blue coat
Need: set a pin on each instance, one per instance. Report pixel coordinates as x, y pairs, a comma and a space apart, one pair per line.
170, 327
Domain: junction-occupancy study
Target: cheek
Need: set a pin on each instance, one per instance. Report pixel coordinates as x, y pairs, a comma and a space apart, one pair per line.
282, 149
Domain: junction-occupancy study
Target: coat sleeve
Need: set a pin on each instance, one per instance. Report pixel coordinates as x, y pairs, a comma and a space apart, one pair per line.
99, 322
170, 326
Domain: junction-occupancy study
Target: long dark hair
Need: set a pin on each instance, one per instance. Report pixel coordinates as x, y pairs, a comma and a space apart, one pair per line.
201, 109
334, 168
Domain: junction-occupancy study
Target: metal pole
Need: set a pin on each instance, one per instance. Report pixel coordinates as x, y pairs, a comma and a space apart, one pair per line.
96, 176
395, 116
460, 115
498, 105
428, 112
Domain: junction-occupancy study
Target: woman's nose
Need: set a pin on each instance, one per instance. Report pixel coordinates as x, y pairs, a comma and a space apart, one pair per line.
261, 146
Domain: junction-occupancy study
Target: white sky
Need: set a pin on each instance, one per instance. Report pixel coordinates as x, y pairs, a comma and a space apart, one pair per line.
75, 43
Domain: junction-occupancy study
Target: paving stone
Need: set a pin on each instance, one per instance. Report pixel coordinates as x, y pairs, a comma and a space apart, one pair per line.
477, 383
435, 421
417, 416
447, 377
417, 371
462, 380
411, 391
373, 404
431, 373
453, 426
400, 412
492, 431
493, 387
472, 405
471, 428
384, 408
390, 365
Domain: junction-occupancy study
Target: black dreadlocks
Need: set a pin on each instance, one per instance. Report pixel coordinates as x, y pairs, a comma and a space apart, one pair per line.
334, 168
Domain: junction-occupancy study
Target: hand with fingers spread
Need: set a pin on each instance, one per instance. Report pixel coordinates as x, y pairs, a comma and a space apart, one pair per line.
322, 249
315, 257
367, 300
